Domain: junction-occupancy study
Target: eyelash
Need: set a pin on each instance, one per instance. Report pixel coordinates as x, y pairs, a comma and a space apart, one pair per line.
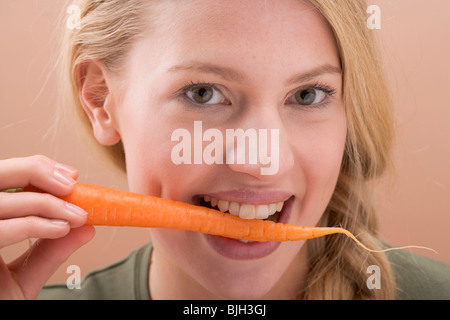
319, 86
191, 84
329, 91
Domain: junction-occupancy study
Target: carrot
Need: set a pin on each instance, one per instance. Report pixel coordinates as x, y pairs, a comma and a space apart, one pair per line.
110, 207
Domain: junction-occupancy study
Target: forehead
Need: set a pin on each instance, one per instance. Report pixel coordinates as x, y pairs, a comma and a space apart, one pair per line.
266, 34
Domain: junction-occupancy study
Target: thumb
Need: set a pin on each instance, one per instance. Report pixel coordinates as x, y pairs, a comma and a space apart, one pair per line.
33, 269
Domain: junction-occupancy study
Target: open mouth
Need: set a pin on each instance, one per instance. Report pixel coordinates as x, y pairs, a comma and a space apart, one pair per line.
276, 211
242, 249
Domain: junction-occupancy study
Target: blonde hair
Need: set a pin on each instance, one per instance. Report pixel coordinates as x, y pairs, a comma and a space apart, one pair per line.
106, 32
338, 266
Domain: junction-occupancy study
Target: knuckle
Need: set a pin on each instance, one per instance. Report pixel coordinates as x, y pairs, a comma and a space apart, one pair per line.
39, 203
40, 160
4, 203
39, 168
29, 223
46, 202
3, 196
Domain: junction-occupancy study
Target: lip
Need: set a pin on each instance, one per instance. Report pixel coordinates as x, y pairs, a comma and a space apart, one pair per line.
236, 250
249, 196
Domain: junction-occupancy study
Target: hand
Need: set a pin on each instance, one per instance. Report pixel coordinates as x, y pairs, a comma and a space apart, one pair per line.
24, 215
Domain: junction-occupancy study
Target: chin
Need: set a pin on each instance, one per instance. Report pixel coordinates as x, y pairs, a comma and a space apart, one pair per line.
243, 291
245, 280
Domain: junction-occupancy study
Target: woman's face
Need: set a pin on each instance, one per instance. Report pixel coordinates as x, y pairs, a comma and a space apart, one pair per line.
271, 65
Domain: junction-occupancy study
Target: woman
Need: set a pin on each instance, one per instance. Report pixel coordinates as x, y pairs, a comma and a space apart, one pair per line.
140, 70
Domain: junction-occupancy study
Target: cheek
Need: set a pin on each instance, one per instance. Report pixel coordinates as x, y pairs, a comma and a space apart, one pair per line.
146, 142
324, 160
320, 160
150, 168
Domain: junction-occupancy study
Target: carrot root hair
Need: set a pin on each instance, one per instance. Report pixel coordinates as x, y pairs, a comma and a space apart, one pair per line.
334, 230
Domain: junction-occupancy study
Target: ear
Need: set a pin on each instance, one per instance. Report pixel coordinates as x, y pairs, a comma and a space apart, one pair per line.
96, 99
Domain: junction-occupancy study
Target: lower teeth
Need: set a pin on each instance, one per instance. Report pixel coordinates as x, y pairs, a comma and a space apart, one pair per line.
244, 241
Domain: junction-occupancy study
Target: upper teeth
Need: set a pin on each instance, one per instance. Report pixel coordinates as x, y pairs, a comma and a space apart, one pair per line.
244, 210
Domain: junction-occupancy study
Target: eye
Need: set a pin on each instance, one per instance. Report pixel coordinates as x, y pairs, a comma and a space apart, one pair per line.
310, 96
205, 94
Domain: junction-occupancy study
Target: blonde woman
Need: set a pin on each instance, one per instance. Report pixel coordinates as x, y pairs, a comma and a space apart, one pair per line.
138, 70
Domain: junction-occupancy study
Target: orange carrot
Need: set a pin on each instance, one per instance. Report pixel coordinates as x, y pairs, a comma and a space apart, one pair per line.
110, 207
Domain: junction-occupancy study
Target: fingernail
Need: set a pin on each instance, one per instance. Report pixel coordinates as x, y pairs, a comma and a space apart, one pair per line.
66, 168
75, 209
59, 222
61, 177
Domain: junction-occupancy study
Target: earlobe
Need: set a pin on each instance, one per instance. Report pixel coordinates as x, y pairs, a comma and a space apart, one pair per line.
95, 97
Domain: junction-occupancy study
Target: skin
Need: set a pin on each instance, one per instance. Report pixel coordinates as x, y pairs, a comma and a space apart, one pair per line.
267, 43
148, 108
59, 231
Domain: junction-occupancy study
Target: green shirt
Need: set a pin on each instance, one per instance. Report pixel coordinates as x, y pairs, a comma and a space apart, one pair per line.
417, 277
124, 280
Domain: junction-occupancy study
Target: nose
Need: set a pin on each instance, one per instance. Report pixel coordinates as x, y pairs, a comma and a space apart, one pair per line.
262, 150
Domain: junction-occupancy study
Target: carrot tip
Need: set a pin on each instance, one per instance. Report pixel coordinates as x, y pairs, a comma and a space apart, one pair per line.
359, 243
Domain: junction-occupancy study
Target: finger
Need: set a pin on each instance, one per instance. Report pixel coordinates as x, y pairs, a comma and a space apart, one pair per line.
15, 205
9, 288
16, 230
34, 268
39, 171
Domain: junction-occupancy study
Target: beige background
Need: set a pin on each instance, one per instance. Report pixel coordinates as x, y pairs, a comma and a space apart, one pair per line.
414, 209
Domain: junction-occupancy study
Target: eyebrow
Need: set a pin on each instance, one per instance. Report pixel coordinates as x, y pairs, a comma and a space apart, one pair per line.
233, 75
314, 73
224, 72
